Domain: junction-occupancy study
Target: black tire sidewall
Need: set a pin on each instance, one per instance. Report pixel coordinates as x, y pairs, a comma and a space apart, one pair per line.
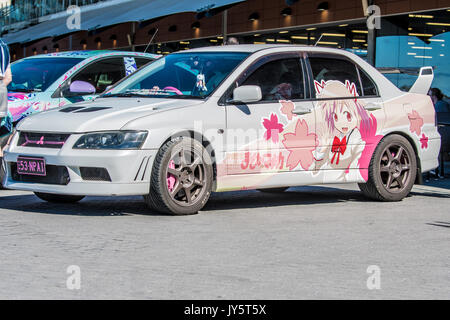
196, 147
375, 174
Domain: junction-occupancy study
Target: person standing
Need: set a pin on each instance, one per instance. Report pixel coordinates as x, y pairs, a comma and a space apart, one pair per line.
5, 78
442, 109
440, 105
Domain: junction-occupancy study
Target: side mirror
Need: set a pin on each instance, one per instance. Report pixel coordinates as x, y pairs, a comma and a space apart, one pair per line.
81, 88
246, 94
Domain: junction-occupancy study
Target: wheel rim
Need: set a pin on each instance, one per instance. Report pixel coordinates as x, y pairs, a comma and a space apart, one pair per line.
186, 177
395, 168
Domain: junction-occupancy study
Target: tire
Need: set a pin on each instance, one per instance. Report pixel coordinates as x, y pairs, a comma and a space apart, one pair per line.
392, 170
57, 198
274, 190
2, 174
191, 173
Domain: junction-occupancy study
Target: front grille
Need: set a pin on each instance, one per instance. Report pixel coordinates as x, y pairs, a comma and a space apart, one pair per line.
58, 175
95, 174
42, 140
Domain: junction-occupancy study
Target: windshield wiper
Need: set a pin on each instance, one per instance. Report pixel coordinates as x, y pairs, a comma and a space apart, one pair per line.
186, 97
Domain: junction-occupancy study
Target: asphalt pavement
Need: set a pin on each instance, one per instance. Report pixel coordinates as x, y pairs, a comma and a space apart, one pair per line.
318, 242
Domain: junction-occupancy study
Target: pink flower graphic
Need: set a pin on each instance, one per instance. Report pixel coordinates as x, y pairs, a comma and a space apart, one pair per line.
424, 141
370, 137
301, 145
273, 128
287, 108
416, 122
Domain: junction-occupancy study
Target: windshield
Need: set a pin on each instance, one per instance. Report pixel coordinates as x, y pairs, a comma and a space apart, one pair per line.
181, 75
37, 74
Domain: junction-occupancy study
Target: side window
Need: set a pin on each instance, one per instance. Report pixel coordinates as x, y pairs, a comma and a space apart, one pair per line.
325, 69
102, 74
369, 87
279, 80
140, 62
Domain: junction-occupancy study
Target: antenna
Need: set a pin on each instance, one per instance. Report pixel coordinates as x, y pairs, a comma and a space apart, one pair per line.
318, 40
151, 40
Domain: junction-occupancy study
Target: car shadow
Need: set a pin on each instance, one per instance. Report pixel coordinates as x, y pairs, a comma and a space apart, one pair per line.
439, 224
294, 196
126, 206
430, 194
247, 199
90, 206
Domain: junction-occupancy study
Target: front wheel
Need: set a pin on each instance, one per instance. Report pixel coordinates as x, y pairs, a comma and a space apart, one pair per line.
57, 198
392, 170
182, 178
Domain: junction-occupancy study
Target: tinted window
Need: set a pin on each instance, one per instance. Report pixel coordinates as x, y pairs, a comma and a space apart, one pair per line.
369, 87
140, 62
38, 74
279, 80
335, 69
102, 74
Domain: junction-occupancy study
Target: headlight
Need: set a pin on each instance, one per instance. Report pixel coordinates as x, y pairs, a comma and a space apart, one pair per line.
112, 140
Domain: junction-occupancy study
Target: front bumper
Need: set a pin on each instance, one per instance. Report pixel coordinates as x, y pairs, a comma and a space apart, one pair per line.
129, 170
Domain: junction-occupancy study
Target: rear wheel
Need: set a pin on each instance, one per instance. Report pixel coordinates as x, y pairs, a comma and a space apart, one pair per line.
392, 170
57, 198
182, 178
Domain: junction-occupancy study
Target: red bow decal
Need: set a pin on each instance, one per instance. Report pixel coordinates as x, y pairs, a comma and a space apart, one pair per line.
338, 148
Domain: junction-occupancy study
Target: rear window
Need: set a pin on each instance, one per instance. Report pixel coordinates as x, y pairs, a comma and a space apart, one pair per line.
326, 69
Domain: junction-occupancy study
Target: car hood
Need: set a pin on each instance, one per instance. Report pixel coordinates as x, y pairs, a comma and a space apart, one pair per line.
99, 115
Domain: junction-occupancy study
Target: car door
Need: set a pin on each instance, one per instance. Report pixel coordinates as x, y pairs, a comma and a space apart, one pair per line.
345, 100
100, 74
275, 133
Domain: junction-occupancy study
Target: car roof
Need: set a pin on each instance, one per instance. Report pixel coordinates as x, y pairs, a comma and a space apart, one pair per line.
84, 54
251, 48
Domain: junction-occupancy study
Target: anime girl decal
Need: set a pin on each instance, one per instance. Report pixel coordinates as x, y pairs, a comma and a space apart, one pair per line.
340, 140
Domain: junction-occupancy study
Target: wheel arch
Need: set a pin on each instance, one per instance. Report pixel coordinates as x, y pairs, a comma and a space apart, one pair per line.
419, 178
189, 133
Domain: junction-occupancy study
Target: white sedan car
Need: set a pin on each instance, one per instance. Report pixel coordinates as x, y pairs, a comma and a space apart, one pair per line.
232, 118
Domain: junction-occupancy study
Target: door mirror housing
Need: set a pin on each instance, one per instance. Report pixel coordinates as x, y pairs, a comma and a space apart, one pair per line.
81, 88
246, 94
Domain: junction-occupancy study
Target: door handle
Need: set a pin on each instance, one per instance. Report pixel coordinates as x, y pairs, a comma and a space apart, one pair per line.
373, 107
300, 111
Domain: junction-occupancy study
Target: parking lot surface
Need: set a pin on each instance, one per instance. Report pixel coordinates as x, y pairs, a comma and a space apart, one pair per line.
308, 243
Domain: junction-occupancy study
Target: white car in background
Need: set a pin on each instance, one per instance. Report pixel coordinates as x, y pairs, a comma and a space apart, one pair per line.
232, 118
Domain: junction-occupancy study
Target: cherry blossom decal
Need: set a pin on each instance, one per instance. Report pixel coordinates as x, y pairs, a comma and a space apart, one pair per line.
424, 141
301, 145
287, 108
273, 128
416, 122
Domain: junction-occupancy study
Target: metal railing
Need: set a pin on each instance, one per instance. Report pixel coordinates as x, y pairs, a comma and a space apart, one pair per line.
25, 10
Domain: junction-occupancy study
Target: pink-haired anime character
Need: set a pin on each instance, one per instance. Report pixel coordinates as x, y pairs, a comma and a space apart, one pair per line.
341, 143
